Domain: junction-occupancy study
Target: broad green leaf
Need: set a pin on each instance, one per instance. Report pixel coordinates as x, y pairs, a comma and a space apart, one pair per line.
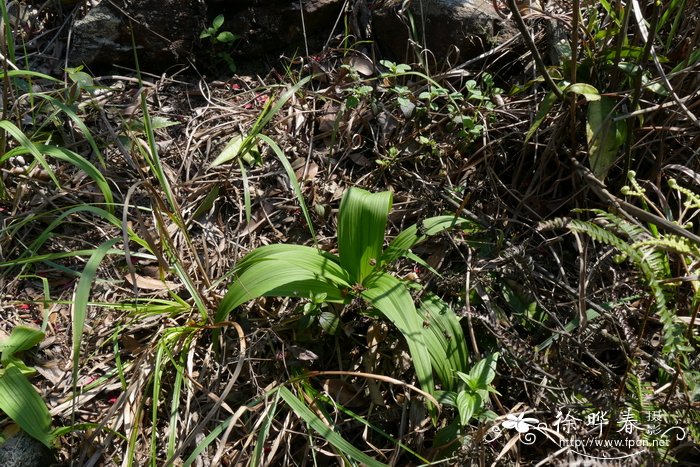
418, 233
361, 224
483, 373
391, 298
284, 271
545, 106
80, 78
445, 340
329, 322
586, 90
218, 22
602, 136
326, 432
226, 37
20, 401
233, 149
21, 338
467, 405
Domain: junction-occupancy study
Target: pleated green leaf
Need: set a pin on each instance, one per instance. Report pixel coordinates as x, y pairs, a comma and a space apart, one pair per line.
284, 271
391, 298
419, 232
20, 401
21, 338
361, 224
467, 405
445, 340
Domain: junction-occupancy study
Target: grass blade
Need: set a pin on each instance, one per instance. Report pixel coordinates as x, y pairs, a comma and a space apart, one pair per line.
81, 299
325, 431
292, 180
22, 139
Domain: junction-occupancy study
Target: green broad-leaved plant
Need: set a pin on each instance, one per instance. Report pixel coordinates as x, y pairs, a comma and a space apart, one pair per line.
19, 400
359, 271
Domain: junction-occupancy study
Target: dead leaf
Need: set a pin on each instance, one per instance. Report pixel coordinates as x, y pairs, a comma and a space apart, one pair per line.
363, 65
150, 283
309, 174
359, 159
302, 354
344, 393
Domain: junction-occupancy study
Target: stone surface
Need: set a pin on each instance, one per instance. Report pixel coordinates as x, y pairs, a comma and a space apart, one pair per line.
276, 25
470, 26
22, 450
164, 32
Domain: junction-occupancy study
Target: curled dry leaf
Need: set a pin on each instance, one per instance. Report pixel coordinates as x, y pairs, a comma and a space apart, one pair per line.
150, 283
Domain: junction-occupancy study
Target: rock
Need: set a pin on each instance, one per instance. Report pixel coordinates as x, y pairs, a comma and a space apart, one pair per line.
164, 32
22, 450
276, 25
472, 26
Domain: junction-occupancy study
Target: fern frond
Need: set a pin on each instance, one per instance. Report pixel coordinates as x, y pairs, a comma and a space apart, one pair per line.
693, 199
673, 243
653, 265
630, 230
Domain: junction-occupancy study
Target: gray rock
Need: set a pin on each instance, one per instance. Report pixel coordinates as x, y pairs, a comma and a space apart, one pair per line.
24, 451
164, 32
472, 26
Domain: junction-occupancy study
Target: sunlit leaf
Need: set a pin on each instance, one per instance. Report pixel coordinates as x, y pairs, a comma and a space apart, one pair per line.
218, 22
81, 299
586, 90
21, 402
602, 136
418, 233
361, 224
391, 298
284, 271
445, 340
483, 373
467, 405
233, 150
21, 338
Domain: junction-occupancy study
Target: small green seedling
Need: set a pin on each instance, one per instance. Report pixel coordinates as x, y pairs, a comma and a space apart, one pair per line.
217, 38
